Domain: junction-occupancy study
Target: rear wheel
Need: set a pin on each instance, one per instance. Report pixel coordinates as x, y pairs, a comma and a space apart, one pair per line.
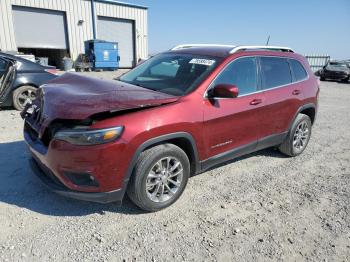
23, 95
298, 136
159, 178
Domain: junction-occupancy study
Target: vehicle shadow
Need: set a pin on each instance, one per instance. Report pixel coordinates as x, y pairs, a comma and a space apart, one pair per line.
8, 108
337, 81
20, 187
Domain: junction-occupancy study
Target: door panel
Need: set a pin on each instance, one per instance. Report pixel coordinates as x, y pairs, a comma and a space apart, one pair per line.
279, 109
3, 67
7, 82
230, 123
282, 97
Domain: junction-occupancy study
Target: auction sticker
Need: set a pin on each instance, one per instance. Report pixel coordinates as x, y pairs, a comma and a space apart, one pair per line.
199, 61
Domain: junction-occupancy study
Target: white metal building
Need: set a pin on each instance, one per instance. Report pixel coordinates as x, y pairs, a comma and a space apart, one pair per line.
56, 28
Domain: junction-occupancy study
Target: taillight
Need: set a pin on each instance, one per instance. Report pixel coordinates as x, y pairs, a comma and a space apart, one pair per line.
51, 71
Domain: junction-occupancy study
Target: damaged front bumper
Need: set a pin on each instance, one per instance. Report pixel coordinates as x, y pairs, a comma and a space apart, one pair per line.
45, 175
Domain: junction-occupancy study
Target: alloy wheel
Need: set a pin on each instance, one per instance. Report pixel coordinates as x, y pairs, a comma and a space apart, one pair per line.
26, 96
301, 136
164, 179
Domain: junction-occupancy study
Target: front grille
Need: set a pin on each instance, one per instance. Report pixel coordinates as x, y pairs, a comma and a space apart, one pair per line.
31, 131
33, 121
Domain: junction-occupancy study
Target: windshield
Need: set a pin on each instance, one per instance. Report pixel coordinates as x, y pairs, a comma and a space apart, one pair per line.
174, 74
337, 65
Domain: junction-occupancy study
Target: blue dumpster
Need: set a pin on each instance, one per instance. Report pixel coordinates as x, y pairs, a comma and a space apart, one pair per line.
103, 55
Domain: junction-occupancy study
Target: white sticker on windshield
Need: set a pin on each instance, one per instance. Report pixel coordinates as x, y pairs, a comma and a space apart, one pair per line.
198, 61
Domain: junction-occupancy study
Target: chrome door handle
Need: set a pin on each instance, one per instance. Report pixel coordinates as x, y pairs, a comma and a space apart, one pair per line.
256, 102
296, 92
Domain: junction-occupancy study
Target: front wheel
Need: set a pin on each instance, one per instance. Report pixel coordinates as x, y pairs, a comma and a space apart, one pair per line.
23, 95
159, 178
345, 80
298, 136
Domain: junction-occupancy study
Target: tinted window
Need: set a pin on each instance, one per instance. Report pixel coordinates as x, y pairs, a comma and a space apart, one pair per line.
275, 72
241, 73
165, 69
298, 70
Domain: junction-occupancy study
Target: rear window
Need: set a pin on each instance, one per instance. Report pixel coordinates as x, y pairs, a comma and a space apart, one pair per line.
298, 70
275, 72
3, 64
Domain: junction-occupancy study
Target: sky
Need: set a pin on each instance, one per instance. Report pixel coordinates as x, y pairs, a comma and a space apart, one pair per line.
307, 26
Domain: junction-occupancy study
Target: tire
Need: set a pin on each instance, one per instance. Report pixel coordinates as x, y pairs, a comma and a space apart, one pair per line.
22, 96
294, 144
148, 182
345, 80
322, 78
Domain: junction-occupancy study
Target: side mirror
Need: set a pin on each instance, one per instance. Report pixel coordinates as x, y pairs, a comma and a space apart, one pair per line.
224, 91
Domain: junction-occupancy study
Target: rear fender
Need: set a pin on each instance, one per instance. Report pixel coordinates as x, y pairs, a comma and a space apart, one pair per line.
302, 108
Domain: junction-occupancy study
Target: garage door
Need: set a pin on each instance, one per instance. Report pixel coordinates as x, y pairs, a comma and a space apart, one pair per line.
39, 28
121, 31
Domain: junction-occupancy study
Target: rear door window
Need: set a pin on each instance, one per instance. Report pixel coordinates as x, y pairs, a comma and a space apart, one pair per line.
275, 72
298, 70
241, 73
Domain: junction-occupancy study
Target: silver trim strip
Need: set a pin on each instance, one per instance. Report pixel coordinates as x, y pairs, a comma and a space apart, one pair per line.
269, 47
199, 45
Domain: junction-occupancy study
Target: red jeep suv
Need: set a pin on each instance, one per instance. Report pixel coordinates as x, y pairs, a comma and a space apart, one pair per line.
175, 115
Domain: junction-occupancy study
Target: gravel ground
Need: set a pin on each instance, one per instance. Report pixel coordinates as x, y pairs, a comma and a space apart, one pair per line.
263, 206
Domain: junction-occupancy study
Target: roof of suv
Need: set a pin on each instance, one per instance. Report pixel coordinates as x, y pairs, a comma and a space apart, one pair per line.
223, 50
218, 51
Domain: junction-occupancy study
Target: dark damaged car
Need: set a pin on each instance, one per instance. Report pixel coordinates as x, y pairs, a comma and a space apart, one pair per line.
20, 79
338, 71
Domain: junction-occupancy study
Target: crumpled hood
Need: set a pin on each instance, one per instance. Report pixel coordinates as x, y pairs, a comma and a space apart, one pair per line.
73, 96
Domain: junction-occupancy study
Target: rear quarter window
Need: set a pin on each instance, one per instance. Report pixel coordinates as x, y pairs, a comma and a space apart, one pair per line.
298, 70
275, 72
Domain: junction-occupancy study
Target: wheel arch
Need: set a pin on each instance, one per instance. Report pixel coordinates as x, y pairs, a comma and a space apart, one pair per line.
183, 140
310, 112
307, 109
18, 85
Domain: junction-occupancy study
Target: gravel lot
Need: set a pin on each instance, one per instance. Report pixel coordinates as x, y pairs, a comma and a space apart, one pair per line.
263, 206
